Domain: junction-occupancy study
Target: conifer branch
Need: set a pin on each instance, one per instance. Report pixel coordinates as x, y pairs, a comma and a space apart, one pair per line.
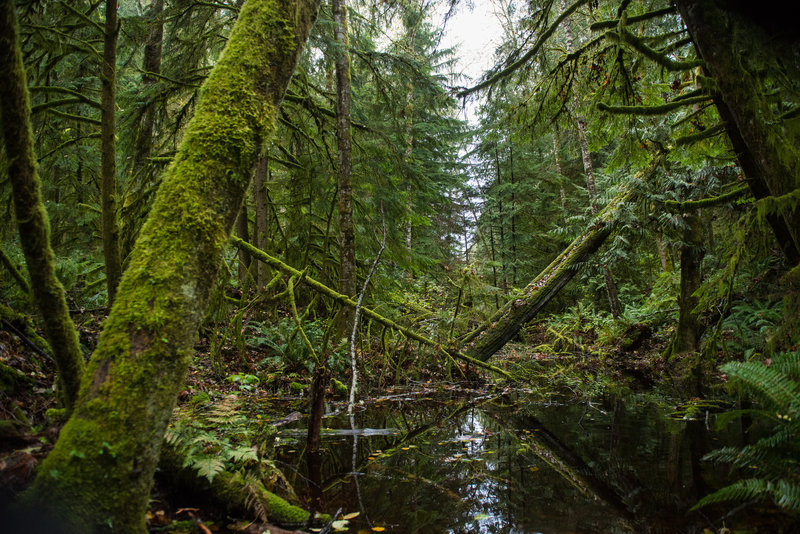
608, 24
651, 110
699, 136
65, 90
623, 36
527, 56
674, 205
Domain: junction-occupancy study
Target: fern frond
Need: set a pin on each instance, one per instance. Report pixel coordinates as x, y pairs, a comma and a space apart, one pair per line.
787, 363
252, 500
741, 490
785, 493
768, 384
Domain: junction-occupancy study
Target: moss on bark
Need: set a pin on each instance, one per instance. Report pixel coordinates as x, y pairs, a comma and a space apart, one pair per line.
233, 491
99, 474
487, 339
31, 217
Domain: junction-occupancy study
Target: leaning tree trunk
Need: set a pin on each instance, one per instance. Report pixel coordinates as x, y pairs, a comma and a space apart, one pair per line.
482, 343
737, 52
100, 472
507, 322
31, 217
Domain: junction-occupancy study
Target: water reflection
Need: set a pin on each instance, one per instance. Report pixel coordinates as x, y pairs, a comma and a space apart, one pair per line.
446, 463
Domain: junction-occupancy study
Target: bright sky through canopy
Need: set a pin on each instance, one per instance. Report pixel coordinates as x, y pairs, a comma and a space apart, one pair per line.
474, 31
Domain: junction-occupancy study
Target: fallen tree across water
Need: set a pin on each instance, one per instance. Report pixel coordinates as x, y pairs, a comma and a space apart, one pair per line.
482, 343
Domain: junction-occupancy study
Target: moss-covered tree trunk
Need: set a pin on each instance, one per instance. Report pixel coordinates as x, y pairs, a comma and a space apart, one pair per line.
741, 54
347, 242
506, 323
689, 329
108, 158
98, 476
31, 217
483, 342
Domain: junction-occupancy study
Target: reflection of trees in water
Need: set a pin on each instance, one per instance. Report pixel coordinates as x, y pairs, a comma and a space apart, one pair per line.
519, 468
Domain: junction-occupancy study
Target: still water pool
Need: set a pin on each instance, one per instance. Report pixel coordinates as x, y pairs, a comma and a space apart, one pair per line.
455, 461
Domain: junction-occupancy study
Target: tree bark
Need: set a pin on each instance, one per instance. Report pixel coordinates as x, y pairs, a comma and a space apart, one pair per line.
689, 329
99, 474
243, 231
31, 217
151, 65
347, 245
260, 230
108, 161
738, 53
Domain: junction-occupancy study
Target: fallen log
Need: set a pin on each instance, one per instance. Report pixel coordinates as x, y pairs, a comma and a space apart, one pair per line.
482, 343
346, 301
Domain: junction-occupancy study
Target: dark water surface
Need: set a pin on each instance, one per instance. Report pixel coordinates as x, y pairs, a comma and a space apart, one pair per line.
453, 462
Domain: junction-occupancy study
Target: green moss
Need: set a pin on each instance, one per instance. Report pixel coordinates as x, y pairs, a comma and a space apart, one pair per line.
146, 345
338, 388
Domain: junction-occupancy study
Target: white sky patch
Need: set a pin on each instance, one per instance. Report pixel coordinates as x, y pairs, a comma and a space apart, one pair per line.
475, 32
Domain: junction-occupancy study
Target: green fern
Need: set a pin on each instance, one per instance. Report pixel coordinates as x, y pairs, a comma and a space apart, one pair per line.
784, 493
772, 461
219, 438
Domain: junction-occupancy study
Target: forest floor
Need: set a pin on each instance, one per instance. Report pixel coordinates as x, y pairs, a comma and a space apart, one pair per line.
551, 365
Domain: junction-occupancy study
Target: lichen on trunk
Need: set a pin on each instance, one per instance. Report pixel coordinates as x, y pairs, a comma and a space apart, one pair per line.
99, 474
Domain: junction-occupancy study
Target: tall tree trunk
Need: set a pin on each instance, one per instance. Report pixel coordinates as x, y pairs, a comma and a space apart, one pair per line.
31, 217
591, 188
151, 65
347, 245
559, 169
410, 25
261, 227
99, 474
737, 52
243, 231
689, 329
588, 168
108, 162
513, 219
504, 279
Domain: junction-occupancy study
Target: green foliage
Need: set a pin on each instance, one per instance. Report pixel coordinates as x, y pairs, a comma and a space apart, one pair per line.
288, 349
771, 462
750, 324
213, 437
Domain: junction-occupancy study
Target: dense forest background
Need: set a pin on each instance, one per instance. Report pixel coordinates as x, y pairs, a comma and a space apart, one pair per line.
628, 198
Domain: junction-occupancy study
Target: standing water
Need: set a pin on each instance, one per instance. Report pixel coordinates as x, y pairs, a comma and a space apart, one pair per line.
444, 462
